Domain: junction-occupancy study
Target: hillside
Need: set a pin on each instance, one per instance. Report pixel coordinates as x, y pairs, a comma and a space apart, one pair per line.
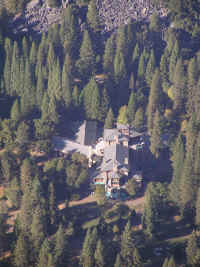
99, 133
38, 16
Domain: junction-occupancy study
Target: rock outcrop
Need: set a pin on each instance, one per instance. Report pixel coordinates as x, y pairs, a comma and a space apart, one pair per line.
118, 12
38, 16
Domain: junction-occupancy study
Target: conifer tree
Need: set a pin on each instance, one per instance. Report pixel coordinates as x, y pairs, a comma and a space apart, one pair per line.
118, 261
164, 69
88, 250
38, 228
197, 217
109, 121
156, 135
192, 80
132, 82
75, 96
127, 244
26, 174
51, 58
67, 82
179, 88
165, 263
25, 217
192, 73
137, 259
142, 64
86, 62
15, 113
173, 60
69, 31
192, 250
23, 135
99, 254
171, 262
7, 67
93, 18
188, 187
44, 254
122, 116
95, 105
21, 251
105, 102
55, 88
40, 88
25, 48
155, 99
15, 70
33, 56
52, 204
109, 54
28, 99
139, 121
60, 246
91, 100
121, 41
131, 108
151, 66
135, 58
119, 67
177, 163
150, 216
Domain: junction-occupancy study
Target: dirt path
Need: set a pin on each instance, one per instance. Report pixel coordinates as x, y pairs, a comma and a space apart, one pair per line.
138, 203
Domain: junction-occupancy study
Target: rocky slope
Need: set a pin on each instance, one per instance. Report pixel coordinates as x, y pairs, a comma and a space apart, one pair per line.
37, 16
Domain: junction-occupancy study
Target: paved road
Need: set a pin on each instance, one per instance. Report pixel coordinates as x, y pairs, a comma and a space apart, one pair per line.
66, 145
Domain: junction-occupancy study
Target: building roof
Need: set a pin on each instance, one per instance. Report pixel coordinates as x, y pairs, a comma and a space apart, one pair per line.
114, 174
87, 133
114, 157
112, 134
123, 126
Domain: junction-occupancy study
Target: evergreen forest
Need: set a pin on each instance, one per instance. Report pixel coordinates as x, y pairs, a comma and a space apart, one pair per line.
145, 74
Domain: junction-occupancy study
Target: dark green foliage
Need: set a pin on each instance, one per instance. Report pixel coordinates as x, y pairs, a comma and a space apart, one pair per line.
127, 244
118, 261
137, 259
177, 163
155, 203
88, 250
151, 66
156, 135
23, 134
13, 192
131, 108
99, 254
69, 34
15, 113
60, 253
45, 254
22, 251
173, 60
188, 187
109, 54
91, 100
52, 204
93, 18
38, 227
179, 86
86, 62
109, 121
155, 99
192, 250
